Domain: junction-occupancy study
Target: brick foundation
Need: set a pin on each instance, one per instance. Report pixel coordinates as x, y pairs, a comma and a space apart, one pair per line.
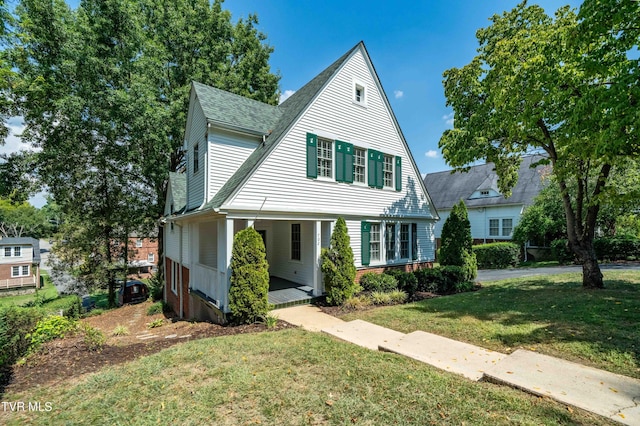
172, 298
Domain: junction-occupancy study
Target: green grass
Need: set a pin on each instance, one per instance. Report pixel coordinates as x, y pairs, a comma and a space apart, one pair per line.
47, 292
551, 315
289, 377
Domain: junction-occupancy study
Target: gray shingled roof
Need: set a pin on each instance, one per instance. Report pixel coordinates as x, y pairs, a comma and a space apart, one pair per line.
23, 241
231, 110
287, 114
446, 189
178, 182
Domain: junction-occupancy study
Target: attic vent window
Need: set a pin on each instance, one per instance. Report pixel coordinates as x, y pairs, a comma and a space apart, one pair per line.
359, 93
484, 193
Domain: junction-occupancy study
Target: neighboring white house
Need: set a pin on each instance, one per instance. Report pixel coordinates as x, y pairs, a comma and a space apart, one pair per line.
19, 263
333, 149
493, 217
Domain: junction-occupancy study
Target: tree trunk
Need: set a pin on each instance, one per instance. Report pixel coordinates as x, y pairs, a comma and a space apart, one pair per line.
591, 275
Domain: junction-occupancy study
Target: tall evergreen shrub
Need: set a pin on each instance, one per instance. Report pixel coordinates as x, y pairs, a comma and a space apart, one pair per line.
456, 242
338, 266
248, 294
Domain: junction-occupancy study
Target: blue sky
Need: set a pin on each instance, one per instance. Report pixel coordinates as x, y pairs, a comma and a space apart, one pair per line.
411, 43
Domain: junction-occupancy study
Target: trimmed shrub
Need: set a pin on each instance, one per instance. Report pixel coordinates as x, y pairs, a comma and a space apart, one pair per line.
407, 281
248, 293
372, 281
561, 252
451, 276
617, 248
338, 266
16, 324
456, 242
428, 279
497, 255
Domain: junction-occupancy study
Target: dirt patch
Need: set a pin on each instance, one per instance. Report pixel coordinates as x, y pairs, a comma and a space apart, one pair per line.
65, 359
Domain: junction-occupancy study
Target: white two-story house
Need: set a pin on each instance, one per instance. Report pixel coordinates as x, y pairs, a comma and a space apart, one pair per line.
333, 149
19, 263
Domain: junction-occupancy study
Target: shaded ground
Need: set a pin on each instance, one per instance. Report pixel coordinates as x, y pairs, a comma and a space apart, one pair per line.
64, 359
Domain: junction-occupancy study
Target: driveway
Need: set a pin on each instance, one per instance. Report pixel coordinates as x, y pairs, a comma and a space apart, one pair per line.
486, 275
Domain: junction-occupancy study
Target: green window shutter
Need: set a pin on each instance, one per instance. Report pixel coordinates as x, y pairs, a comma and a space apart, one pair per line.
414, 241
340, 160
312, 156
365, 247
398, 173
348, 163
371, 167
379, 170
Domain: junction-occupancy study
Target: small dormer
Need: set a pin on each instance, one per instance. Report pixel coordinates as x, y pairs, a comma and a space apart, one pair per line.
487, 189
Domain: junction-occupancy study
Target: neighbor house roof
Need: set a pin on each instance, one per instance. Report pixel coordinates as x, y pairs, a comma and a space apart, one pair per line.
447, 188
284, 116
23, 241
178, 185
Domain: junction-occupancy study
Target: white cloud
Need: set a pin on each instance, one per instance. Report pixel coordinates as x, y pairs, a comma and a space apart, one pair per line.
431, 154
398, 94
284, 96
12, 142
448, 119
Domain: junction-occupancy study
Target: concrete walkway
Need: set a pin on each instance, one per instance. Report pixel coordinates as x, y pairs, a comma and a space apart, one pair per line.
610, 395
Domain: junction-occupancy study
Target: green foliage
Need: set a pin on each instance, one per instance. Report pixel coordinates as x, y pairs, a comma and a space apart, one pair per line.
544, 220
533, 82
456, 242
156, 287
428, 279
269, 320
49, 328
560, 251
248, 294
497, 255
22, 219
120, 330
360, 301
158, 308
407, 281
158, 322
373, 281
452, 275
338, 266
93, 338
617, 248
16, 325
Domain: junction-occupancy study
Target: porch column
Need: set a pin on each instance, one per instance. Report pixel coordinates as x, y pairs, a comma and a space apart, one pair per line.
226, 266
317, 247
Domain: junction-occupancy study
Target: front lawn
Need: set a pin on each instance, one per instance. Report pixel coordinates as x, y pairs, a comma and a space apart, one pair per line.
47, 292
552, 315
289, 377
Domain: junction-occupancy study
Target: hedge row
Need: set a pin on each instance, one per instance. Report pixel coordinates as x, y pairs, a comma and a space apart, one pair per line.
606, 248
497, 255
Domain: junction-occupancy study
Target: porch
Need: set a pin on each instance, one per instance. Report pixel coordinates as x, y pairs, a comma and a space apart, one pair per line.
284, 293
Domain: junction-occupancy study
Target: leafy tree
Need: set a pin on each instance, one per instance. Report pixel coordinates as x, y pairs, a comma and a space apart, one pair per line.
104, 92
249, 291
22, 220
533, 87
338, 266
456, 242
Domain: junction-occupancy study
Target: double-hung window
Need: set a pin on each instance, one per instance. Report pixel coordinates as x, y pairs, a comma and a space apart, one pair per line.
196, 158
7, 252
390, 240
20, 271
374, 242
325, 158
500, 227
388, 171
404, 241
359, 165
296, 242
17, 251
507, 227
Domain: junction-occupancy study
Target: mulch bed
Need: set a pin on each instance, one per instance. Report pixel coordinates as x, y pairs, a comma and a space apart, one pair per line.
63, 359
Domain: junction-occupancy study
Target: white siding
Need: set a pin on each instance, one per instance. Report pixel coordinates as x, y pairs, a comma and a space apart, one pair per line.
26, 254
195, 182
208, 243
172, 242
280, 244
282, 177
227, 152
479, 219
